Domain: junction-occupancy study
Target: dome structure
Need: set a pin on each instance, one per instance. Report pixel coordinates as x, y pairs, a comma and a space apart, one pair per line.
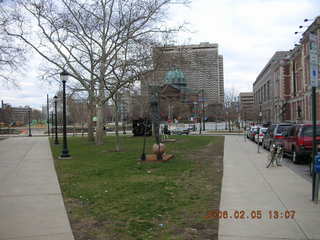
175, 78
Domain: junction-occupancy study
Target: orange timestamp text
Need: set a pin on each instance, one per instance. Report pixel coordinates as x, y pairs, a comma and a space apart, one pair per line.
251, 214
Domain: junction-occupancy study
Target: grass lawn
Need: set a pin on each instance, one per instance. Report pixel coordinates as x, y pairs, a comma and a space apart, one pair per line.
110, 195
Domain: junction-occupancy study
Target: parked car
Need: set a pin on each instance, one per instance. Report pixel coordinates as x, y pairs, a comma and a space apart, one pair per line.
180, 131
274, 134
192, 127
297, 142
108, 129
262, 132
252, 132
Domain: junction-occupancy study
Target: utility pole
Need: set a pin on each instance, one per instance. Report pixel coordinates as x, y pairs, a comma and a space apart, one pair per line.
315, 184
313, 52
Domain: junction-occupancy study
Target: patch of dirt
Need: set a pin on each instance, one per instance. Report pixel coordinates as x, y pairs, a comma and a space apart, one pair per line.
80, 226
206, 180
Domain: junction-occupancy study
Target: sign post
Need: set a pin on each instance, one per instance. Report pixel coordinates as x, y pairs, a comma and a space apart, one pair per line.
313, 52
258, 132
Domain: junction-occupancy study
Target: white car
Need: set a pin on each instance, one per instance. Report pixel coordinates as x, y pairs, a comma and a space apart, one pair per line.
252, 132
180, 131
262, 131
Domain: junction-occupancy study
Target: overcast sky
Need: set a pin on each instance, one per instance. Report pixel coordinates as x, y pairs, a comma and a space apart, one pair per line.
248, 33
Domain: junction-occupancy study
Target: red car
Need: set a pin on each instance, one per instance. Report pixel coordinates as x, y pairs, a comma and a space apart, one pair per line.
297, 141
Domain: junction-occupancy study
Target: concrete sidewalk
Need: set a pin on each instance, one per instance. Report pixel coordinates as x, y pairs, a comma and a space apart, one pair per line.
249, 186
31, 205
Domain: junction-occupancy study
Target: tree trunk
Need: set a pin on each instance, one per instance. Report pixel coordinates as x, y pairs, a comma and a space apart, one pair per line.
90, 121
117, 124
82, 130
99, 127
100, 119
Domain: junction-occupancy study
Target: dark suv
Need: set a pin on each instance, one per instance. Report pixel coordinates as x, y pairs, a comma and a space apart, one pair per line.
274, 134
297, 141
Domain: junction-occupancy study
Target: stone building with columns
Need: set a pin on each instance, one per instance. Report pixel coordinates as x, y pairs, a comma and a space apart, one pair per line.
270, 91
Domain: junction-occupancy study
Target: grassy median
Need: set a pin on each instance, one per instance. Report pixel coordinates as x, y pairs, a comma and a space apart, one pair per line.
112, 195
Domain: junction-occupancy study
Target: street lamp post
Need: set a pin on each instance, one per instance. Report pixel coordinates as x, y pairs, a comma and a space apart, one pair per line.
260, 117
200, 113
195, 112
48, 116
56, 120
52, 123
29, 120
203, 111
200, 125
65, 152
226, 121
143, 155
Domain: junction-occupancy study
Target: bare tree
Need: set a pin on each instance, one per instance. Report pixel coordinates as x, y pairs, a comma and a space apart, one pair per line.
215, 112
77, 108
231, 103
92, 40
36, 115
12, 53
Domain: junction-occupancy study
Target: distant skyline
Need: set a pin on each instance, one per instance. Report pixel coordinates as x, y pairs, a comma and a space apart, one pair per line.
248, 32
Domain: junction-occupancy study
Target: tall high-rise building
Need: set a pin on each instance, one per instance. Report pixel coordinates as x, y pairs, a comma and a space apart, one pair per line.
201, 65
247, 106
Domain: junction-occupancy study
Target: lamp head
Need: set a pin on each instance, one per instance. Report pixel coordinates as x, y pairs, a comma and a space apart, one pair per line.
64, 76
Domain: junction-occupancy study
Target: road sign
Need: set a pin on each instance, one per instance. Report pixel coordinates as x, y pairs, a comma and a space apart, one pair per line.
313, 54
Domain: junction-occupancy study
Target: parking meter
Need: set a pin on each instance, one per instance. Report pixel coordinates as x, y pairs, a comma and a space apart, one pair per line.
317, 163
